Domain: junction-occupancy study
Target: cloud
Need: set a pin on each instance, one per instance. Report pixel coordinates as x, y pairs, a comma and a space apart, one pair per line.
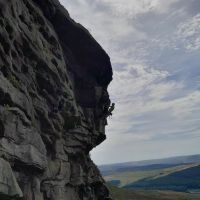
189, 33
132, 8
154, 47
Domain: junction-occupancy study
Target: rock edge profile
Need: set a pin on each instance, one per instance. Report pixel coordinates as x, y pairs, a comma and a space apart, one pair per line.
53, 103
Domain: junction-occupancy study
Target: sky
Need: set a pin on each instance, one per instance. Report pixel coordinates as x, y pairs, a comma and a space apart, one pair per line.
154, 46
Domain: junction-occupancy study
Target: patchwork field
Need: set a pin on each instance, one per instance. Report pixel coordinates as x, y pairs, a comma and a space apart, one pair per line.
122, 179
125, 194
176, 178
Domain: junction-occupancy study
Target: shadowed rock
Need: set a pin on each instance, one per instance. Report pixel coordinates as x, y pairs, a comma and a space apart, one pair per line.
53, 95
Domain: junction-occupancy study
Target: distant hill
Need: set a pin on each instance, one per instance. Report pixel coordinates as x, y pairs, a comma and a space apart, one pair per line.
148, 164
183, 180
153, 177
122, 179
177, 174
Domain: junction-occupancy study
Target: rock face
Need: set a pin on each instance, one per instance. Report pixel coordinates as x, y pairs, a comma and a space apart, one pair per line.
53, 103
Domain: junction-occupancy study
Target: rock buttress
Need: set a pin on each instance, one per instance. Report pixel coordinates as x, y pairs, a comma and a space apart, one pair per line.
53, 103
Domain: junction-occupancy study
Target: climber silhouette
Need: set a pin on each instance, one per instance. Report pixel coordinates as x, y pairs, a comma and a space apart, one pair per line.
110, 110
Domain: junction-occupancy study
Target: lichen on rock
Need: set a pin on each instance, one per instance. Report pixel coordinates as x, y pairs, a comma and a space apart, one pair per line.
53, 98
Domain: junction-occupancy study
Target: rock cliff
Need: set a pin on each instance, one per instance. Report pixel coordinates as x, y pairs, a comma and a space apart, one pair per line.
53, 103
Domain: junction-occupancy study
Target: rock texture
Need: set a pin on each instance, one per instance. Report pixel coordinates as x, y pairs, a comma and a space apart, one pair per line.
53, 103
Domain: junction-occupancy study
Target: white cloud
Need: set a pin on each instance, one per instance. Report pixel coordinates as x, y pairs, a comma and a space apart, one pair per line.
133, 80
131, 8
164, 90
189, 33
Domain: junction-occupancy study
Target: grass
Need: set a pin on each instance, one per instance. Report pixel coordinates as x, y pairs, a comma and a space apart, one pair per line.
124, 194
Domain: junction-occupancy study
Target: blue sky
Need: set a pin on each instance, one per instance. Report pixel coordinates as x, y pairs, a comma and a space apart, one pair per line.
154, 46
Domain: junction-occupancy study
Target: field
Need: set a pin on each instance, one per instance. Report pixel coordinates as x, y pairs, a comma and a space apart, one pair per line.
128, 178
183, 180
176, 178
124, 194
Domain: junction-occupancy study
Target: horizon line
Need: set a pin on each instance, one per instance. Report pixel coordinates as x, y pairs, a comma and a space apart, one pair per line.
149, 159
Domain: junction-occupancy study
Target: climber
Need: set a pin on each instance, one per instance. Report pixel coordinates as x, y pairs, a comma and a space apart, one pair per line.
110, 110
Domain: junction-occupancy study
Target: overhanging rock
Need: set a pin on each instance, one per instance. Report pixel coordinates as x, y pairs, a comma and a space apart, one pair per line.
53, 101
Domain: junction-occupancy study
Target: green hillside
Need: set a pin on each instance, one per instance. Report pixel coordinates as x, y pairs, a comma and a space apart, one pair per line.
130, 177
124, 194
183, 180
